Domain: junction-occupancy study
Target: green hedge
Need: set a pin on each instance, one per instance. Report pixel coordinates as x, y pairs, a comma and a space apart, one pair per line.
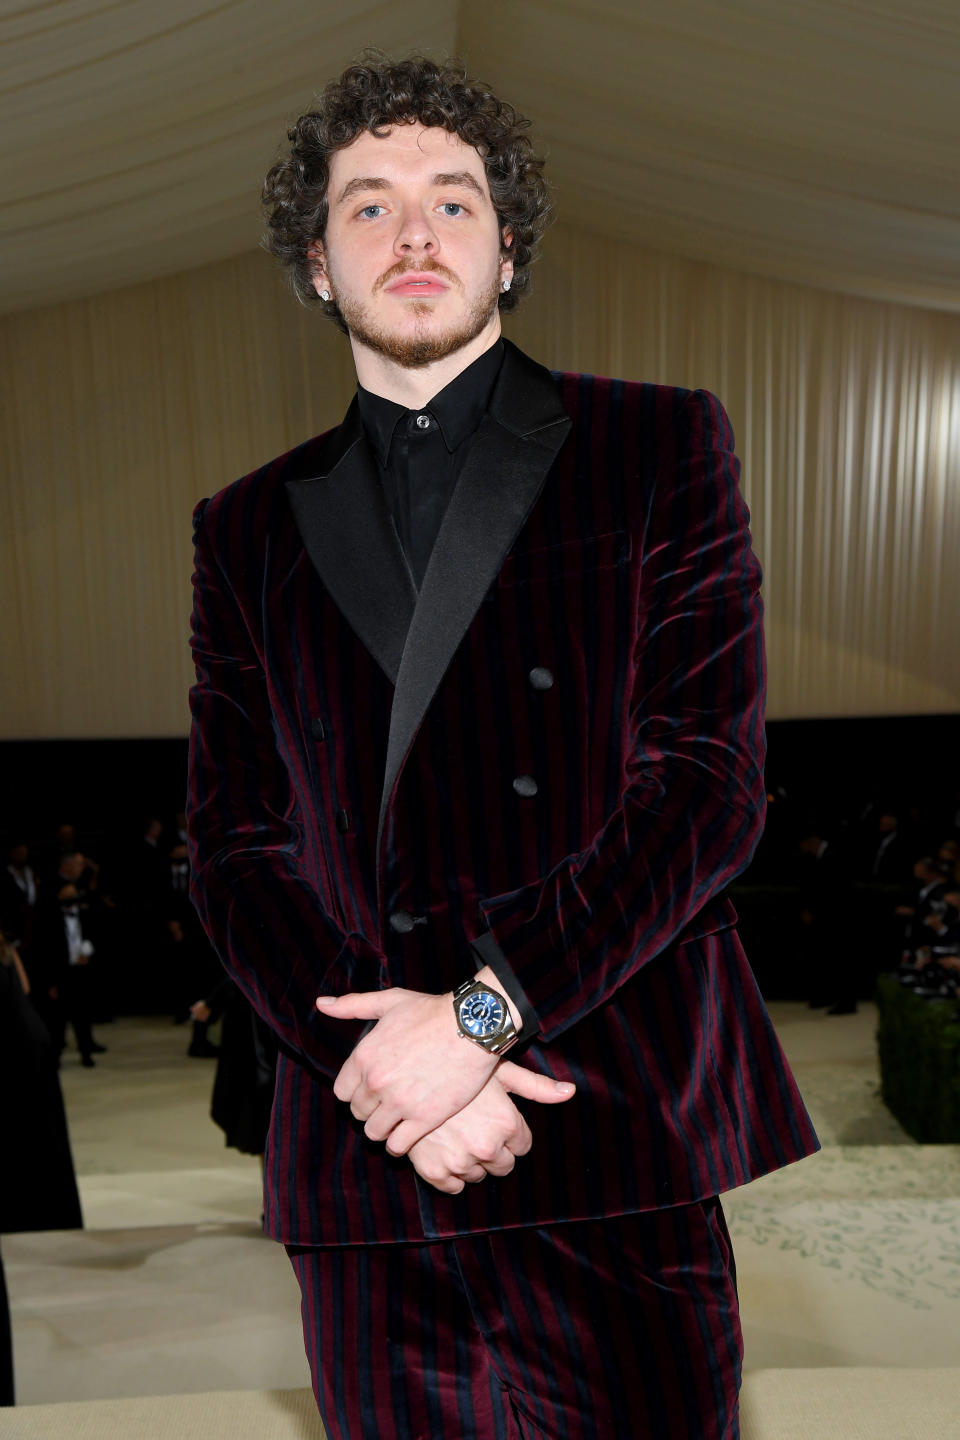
919, 1043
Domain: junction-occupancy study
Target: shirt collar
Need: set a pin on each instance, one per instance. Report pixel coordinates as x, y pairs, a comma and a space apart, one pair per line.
458, 408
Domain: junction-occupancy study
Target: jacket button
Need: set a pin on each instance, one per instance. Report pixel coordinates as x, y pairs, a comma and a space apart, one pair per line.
541, 678
525, 785
402, 921
317, 729
343, 821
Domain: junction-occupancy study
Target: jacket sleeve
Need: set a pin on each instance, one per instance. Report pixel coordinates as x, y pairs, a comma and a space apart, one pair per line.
692, 808
264, 918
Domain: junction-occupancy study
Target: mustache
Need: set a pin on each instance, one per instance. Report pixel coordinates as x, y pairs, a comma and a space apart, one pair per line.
407, 266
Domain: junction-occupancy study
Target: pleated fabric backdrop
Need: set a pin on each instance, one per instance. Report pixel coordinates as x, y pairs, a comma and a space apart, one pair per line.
124, 409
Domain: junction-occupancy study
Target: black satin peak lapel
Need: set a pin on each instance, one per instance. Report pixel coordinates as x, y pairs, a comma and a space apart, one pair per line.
345, 524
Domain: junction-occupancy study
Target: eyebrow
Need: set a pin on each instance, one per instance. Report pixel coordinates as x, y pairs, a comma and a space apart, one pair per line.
462, 178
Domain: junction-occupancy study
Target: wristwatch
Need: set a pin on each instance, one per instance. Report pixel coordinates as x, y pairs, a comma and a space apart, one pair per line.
483, 1015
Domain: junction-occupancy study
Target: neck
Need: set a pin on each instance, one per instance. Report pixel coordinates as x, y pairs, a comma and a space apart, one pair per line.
415, 387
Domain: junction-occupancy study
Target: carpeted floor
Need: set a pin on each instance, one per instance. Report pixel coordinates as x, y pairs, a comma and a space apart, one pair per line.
851, 1258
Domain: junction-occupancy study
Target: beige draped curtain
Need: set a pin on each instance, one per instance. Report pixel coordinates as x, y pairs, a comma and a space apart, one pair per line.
124, 409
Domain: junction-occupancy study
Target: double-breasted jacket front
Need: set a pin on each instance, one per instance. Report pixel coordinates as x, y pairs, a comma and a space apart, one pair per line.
555, 750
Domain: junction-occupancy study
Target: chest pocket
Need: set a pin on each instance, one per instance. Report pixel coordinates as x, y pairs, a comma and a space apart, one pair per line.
578, 556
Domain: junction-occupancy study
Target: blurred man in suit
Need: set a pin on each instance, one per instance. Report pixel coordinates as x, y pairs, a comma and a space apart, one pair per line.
830, 946
65, 950
477, 744
19, 894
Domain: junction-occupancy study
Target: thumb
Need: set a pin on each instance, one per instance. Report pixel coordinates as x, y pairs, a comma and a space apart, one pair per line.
519, 1081
363, 1005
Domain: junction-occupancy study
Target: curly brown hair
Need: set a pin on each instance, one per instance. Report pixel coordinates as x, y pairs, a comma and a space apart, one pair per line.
374, 94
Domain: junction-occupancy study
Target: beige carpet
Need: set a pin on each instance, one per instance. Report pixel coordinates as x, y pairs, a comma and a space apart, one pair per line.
849, 1259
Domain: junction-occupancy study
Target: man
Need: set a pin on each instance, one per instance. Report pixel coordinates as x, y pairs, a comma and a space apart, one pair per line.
830, 942
479, 704
931, 883
144, 980
18, 897
66, 993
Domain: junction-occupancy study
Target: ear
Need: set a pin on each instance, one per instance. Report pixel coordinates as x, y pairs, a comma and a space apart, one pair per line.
318, 263
506, 265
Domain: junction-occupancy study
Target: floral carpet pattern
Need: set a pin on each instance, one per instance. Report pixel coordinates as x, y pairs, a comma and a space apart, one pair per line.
861, 1242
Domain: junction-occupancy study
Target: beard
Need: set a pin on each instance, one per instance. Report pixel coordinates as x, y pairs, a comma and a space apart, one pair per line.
420, 348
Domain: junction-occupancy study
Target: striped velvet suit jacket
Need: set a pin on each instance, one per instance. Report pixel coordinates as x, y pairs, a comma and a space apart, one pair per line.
376, 781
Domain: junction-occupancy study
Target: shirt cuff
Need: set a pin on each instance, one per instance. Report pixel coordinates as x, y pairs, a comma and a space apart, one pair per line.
488, 952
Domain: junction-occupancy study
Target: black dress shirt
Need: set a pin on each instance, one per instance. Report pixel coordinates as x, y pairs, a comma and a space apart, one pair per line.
420, 454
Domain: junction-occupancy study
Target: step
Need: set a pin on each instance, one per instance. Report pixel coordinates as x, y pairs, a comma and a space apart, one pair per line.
823, 1404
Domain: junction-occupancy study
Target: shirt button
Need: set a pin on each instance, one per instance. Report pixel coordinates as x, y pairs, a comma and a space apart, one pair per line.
541, 678
525, 785
317, 730
402, 921
343, 821
423, 422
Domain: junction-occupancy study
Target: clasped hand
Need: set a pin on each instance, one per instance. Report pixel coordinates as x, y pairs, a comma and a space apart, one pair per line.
427, 1093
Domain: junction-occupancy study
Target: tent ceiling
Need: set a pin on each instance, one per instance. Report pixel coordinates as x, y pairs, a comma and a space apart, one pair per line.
815, 143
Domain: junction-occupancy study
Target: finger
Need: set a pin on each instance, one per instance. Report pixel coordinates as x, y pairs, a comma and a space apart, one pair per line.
362, 1106
382, 1122
363, 1005
441, 1178
520, 1081
522, 1141
404, 1136
349, 1078
474, 1175
503, 1163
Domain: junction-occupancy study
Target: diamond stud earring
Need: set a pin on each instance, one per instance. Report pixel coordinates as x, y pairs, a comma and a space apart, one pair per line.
324, 294
505, 285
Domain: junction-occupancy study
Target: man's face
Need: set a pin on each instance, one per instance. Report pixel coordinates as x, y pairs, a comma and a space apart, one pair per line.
412, 249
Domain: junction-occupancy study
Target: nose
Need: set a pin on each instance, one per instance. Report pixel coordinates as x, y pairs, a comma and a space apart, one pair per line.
415, 236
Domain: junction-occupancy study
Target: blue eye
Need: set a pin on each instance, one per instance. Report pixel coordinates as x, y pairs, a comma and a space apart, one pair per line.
370, 207
451, 205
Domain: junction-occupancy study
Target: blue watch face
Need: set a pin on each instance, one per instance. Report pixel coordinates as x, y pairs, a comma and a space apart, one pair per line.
481, 1014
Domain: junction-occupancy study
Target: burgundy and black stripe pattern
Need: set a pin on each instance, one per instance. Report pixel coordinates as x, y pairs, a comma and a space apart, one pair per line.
619, 1329
633, 583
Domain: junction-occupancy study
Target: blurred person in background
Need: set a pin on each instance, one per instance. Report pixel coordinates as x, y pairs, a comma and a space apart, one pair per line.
65, 951
193, 964
243, 1086
829, 942
65, 842
39, 1188
19, 893
886, 856
930, 885
143, 979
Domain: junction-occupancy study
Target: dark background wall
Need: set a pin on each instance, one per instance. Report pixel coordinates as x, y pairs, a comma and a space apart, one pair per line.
822, 770
832, 775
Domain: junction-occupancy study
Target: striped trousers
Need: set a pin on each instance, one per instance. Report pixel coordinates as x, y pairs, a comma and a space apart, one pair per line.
624, 1328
